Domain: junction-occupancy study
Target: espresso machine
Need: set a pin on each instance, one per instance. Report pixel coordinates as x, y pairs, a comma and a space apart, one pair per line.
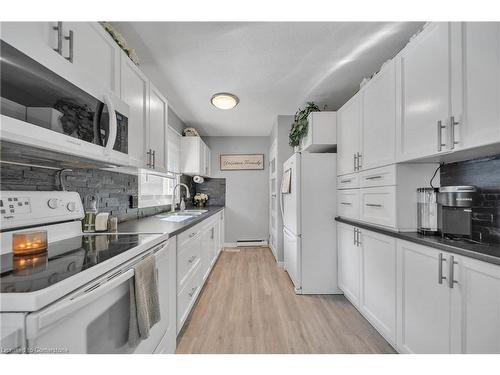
455, 211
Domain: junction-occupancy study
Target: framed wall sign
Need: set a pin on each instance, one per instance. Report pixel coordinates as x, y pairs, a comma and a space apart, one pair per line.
242, 162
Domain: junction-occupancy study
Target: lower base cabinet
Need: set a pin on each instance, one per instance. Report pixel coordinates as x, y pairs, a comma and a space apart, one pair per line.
422, 300
378, 282
197, 251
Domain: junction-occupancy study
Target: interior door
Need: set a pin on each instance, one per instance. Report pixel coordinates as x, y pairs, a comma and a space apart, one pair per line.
424, 74
348, 133
292, 257
158, 124
96, 320
423, 310
291, 199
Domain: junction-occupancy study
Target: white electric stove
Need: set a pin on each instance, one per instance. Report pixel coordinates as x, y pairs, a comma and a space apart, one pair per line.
74, 298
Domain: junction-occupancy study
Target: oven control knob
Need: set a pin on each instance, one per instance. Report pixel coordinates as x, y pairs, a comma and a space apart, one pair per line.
71, 206
53, 203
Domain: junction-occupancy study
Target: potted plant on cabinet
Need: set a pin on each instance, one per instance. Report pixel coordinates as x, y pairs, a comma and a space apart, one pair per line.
300, 123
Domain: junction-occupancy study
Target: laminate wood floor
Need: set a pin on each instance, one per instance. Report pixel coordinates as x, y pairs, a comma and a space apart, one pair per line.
249, 306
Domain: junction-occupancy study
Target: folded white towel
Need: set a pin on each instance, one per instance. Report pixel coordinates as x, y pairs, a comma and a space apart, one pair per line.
144, 300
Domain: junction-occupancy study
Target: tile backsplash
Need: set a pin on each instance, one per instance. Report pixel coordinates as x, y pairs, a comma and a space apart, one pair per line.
111, 188
215, 188
483, 173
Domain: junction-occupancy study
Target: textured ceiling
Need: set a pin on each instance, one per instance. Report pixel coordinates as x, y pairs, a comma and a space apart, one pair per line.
273, 67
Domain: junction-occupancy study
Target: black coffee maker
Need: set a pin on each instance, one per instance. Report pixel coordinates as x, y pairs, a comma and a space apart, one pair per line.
455, 210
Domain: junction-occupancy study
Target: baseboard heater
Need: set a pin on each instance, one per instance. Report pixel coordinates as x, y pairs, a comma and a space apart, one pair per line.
251, 243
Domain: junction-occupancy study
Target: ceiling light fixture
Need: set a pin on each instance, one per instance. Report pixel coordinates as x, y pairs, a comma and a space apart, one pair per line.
224, 100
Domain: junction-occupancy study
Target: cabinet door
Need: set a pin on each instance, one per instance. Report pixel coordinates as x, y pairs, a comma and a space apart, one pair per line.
481, 85
135, 92
208, 168
379, 119
206, 251
158, 126
215, 240
348, 133
477, 317
222, 231
378, 282
348, 263
95, 53
424, 74
423, 307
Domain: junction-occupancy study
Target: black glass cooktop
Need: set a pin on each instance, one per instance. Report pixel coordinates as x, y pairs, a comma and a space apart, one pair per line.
63, 259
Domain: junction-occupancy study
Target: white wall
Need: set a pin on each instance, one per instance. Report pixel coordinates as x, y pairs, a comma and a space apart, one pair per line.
247, 192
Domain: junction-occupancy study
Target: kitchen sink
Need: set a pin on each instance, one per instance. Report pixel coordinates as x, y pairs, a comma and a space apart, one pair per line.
195, 211
176, 217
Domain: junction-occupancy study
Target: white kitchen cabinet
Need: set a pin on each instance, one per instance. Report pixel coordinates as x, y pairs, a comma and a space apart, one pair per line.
424, 299
349, 262
348, 136
378, 206
378, 282
221, 232
209, 244
480, 123
424, 79
476, 321
135, 92
195, 157
94, 52
348, 203
321, 133
379, 119
157, 130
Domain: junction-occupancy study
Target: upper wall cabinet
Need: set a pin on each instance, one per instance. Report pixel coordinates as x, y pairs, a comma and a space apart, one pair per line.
157, 130
379, 119
321, 133
135, 92
424, 76
81, 52
94, 51
195, 157
348, 135
480, 123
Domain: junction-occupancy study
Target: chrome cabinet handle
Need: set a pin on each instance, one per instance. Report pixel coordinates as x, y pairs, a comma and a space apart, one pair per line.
149, 158
440, 126
346, 203
373, 205
373, 178
360, 156
59, 30
354, 236
441, 259
71, 44
192, 291
154, 158
345, 181
191, 260
355, 159
451, 280
453, 123
358, 234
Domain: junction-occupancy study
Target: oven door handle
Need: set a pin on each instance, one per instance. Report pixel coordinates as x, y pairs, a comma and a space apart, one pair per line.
113, 126
39, 321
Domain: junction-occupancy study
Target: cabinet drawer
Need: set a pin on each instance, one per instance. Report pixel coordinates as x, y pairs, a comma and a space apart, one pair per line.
188, 235
378, 205
187, 296
188, 257
383, 176
348, 181
348, 203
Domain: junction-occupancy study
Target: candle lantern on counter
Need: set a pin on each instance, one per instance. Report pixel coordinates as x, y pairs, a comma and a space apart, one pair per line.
29, 243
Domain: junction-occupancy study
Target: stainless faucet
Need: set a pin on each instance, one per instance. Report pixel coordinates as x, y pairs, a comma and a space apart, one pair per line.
172, 209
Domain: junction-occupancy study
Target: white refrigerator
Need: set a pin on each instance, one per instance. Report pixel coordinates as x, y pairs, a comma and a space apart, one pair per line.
308, 202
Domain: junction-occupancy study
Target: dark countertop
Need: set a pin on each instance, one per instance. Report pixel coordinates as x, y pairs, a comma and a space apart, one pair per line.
153, 224
486, 253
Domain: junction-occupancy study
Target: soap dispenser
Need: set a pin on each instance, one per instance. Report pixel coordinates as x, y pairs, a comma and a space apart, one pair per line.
90, 214
182, 205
